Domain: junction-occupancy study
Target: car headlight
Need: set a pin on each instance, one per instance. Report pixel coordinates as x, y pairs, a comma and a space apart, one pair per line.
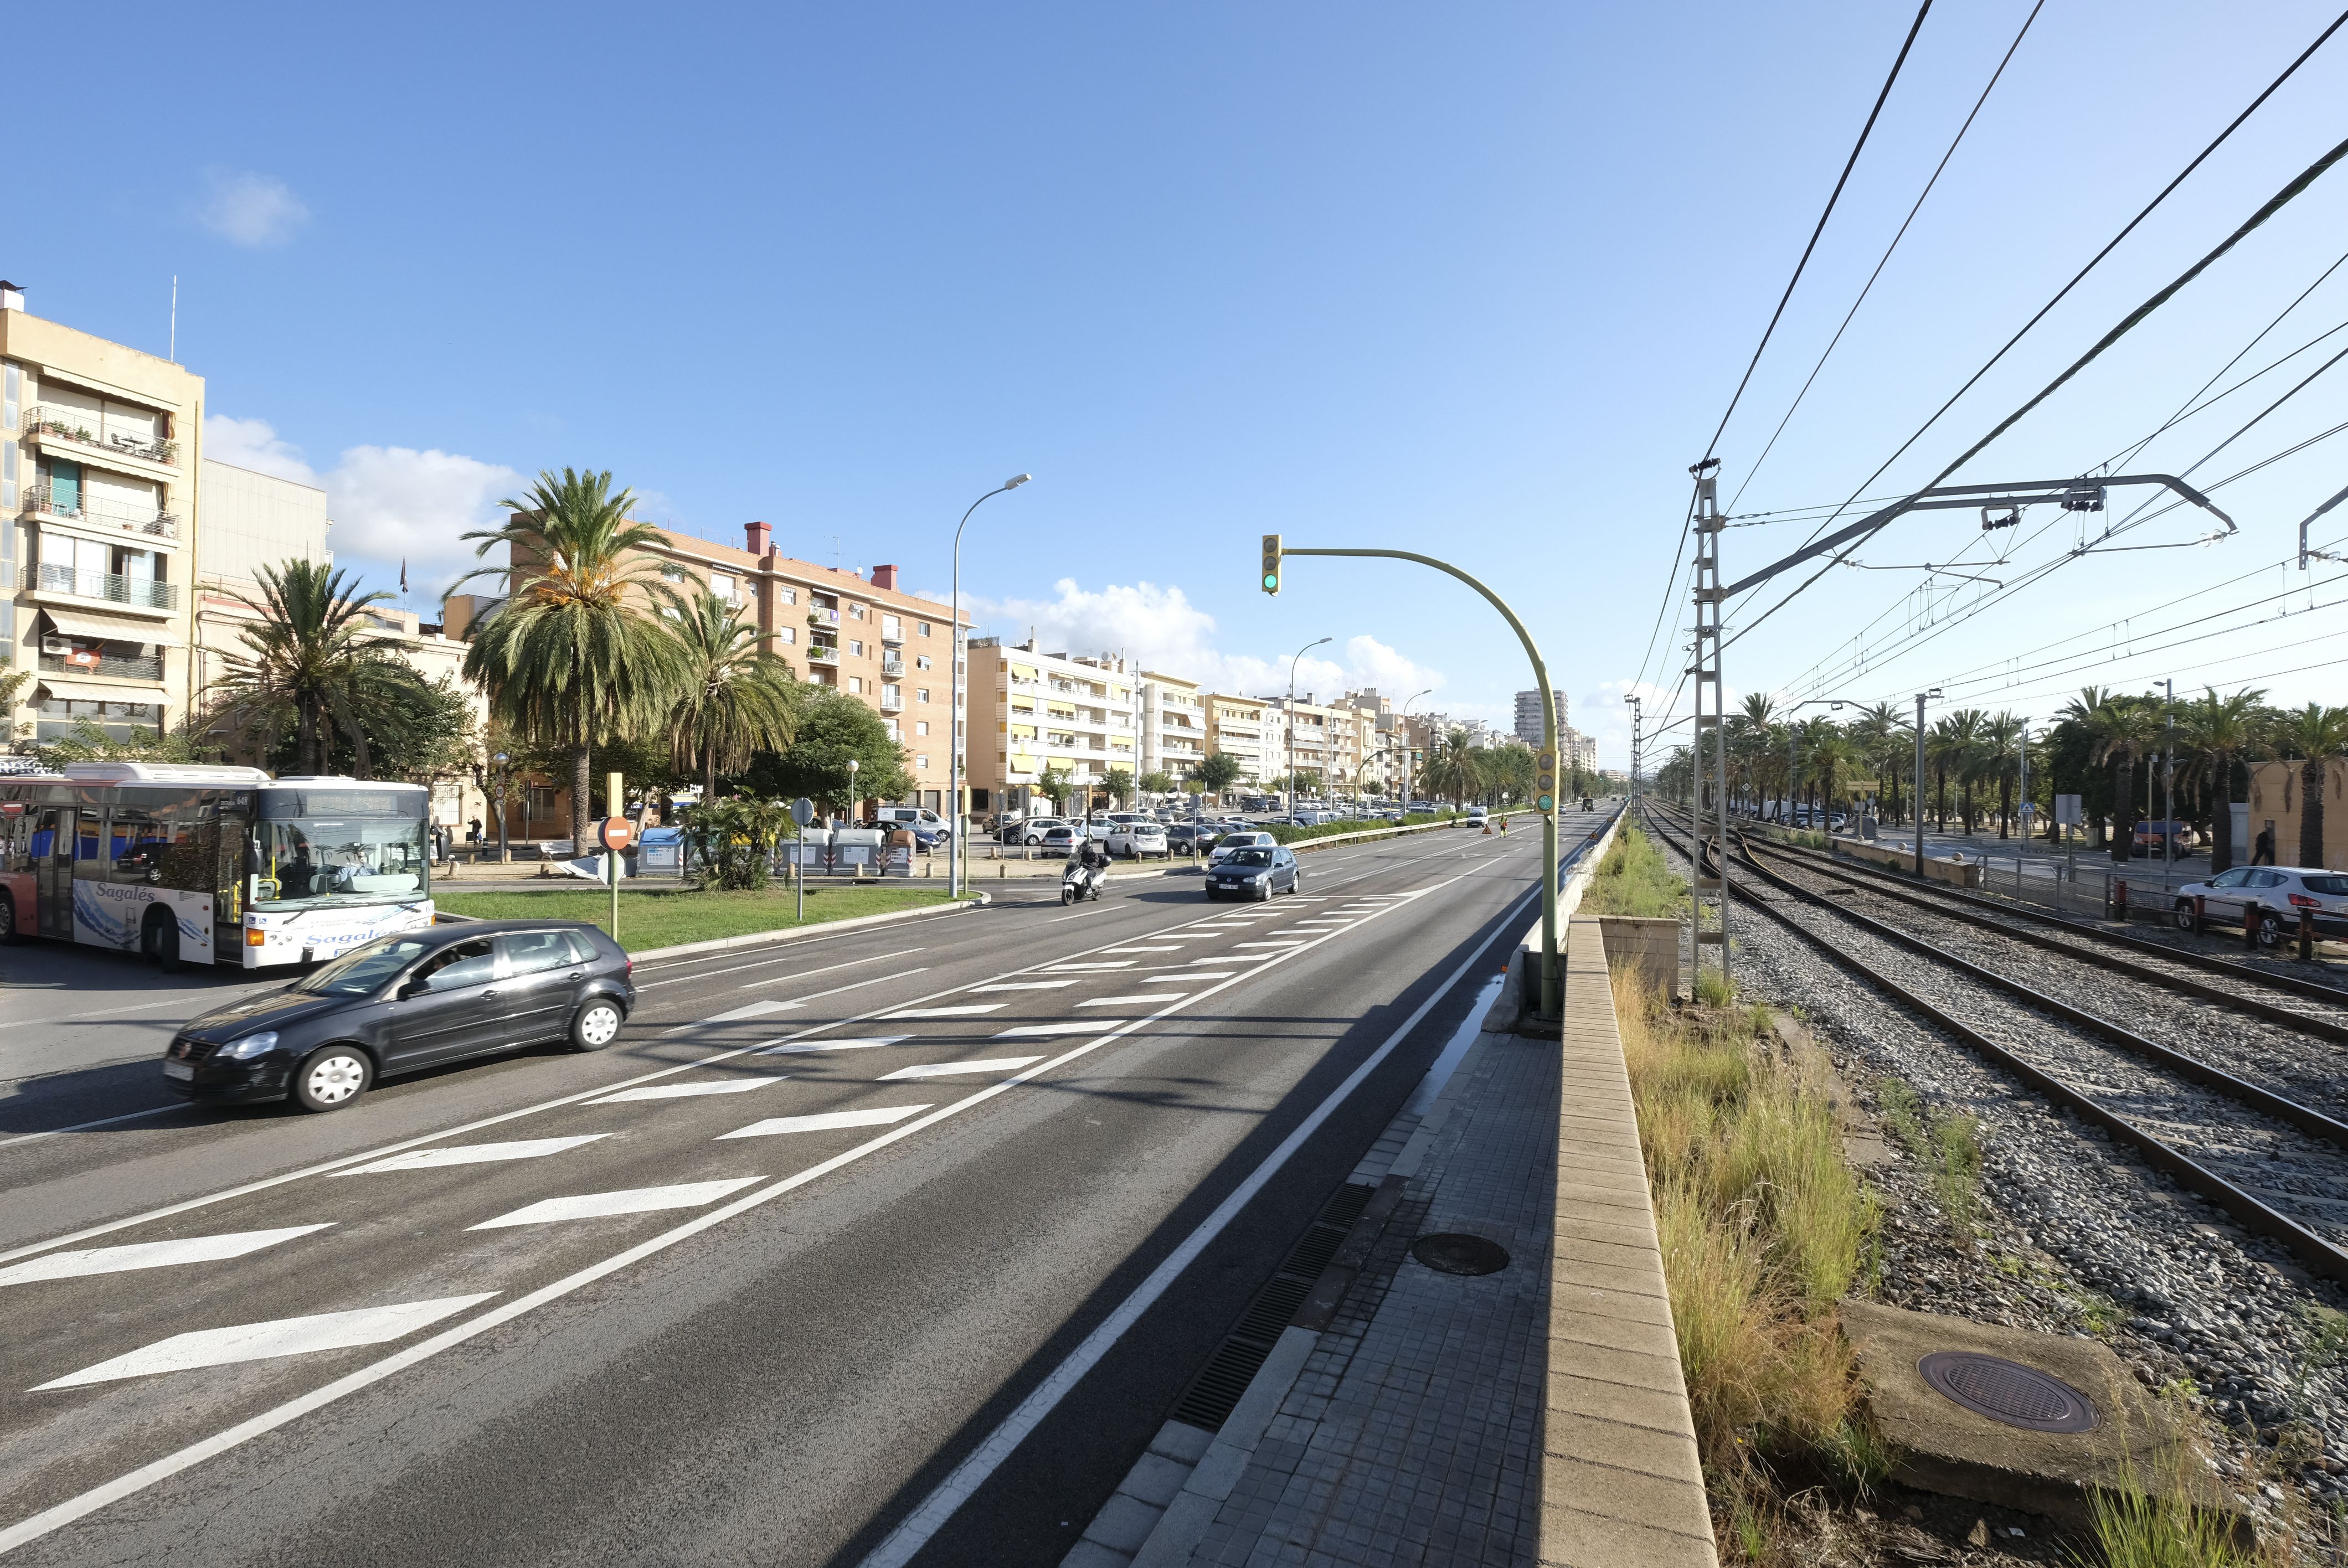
251, 1045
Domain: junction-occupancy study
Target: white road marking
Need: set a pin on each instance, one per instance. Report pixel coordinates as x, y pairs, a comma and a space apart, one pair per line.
966, 1009
473, 1154
1040, 1030
101, 1122
1225, 959
1127, 1001
688, 1090
747, 1009
1165, 975
149, 1255
1283, 944
1026, 986
635, 1201
800, 1048
926, 1519
829, 1121
1071, 969
956, 1069
265, 1341
765, 963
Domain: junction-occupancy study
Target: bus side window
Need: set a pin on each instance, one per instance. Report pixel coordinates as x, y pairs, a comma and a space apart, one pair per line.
88, 842
43, 840
15, 827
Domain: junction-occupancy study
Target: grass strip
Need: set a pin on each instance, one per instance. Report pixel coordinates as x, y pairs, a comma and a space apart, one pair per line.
668, 918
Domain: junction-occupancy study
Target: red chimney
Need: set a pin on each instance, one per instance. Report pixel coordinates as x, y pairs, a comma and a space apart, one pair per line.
884, 577
759, 535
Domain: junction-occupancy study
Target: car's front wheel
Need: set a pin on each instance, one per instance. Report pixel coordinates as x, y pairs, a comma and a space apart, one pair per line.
2269, 931
330, 1078
2185, 920
597, 1025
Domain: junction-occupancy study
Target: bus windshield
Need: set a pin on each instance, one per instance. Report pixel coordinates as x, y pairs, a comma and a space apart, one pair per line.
318, 860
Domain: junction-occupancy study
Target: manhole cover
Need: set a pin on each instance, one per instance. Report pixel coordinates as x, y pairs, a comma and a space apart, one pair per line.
2008, 1392
1447, 1253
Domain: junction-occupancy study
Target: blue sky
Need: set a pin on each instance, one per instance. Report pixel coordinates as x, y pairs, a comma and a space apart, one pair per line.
1475, 282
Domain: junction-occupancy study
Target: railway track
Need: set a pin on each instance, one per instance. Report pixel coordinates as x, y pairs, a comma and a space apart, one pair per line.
2240, 1135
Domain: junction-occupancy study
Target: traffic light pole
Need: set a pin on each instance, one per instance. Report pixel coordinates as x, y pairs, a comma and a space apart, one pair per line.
1552, 976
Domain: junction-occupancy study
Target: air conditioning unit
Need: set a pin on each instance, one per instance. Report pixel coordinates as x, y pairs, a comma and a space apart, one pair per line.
57, 645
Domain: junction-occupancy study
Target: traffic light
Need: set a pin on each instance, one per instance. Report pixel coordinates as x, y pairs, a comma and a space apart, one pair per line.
1545, 782
1272, 563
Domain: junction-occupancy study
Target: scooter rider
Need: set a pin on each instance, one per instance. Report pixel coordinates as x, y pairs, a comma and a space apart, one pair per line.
1092, 858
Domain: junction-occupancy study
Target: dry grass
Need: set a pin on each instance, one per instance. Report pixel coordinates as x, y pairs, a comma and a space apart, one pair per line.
1763, 1227
1634, 879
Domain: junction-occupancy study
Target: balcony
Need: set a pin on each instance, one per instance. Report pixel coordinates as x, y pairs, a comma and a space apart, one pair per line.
892, 668
147, 669
819, 616
42, 501
820, 654
138, 593
891, 701
70, 428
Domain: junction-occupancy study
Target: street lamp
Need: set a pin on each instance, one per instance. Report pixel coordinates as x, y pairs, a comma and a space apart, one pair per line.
1921, 698
1409, 752
954, 850
505, 855
852, 765
1290, 715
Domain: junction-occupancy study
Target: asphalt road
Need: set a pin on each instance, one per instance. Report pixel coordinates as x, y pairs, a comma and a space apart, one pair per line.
749, 1287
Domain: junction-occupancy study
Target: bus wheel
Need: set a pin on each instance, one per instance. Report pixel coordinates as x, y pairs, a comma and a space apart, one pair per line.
7, 919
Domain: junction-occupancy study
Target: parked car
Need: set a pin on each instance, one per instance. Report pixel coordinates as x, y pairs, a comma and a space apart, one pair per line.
2279, 892
1036, 829
1192, 838
918, 817
418, 1000
1140, 841
1233, 842
1258, 871
1061, 838
2148, 835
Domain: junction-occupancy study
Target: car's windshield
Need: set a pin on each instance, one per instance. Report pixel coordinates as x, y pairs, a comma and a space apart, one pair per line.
363, 970
1252, 857
352, 859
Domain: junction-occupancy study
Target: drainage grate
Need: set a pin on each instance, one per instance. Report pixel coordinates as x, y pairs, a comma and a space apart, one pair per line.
1448, 1252
1209, 1401
2008, 1392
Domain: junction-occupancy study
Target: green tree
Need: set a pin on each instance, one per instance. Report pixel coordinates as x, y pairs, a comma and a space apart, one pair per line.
2001, 739
312, 664
1452, 771
1118, 782
571, 656
737, 699
730, 843
2313, 734
1055, 784
1156, 781
832, 731
2219, 731
1217, 773
2123, 730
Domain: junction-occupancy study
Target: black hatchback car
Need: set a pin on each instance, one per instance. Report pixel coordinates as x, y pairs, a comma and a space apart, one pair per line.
1255, 873
405, 1002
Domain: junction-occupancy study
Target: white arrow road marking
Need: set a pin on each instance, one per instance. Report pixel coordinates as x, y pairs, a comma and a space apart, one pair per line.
263, 1341
800, 1048
1038, 1030
1027, 986
687, 1090
1128, 1001
956, 1069
634, 1201
967, 1009
473, 1154
880, 1116
149, 1255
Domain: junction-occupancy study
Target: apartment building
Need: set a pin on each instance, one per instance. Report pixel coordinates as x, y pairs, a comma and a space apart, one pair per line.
1528, 727
1381, 740
99, 517
1078, 715
1236, 728
1324, 742
1174, 721
891, 650
1583, 751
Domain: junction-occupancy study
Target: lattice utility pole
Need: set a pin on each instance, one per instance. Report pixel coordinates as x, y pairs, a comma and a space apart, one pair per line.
1713, 727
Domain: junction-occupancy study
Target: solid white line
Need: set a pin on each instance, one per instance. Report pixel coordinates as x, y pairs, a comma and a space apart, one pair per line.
150, 1254
688, 1090
880, 1116
266, 1341
101, 1122
473, 1154
930, 1515
958, 1069
635, 1201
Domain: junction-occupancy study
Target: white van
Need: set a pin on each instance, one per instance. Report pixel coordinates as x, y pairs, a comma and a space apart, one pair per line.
920, 817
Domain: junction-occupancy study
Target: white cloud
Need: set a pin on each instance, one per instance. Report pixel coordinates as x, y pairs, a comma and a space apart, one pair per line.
1159, 629
389, 504
256, 210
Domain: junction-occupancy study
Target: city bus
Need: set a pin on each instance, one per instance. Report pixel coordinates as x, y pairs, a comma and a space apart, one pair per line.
188, 863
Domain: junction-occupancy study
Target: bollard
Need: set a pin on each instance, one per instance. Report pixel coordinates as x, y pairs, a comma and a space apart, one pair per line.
2306, 936
2119, 900
2200, 913
2251, 924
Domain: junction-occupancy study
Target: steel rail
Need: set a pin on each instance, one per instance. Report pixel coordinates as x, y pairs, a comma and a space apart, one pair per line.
2255, 1216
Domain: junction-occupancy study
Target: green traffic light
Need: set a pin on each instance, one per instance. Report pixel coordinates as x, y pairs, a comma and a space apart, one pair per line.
1548, 802
1272, 579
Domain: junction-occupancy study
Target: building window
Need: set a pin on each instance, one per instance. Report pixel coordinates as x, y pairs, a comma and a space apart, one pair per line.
787, 633
924, 628
856, 647
920, 726
786, 595
921, 694
922, 661
856, 684
922, 762
722, 586
671, 574
892, 627
855, 612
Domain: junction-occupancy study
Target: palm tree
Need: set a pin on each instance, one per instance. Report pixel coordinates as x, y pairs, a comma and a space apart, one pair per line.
1964, 731
1878, 734
1452, 771
571, 657
2078, 716
2217, 731
2313, 734
313, 659
737, 698
2003, 739
2125, 729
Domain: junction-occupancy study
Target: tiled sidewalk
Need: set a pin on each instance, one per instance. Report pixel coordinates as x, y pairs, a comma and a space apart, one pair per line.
1411, 1427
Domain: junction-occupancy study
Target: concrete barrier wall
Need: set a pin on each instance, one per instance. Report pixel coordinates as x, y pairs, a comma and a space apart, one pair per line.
1936, 868
1648, 945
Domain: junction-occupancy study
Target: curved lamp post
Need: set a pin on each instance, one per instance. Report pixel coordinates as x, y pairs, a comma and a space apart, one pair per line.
1290, 716
1409, 752
954, 850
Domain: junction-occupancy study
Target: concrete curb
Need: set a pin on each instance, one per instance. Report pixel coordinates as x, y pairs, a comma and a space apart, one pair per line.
1508, 1011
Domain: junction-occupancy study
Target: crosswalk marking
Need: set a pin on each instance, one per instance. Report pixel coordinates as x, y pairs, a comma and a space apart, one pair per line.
750, 1009
473, 1154
1028, 986
634, 1201
801, 1046
266, 1341
956, 1069
967, 1009
827, 1122
149, 1255
688, 1090
1282, 942
1038, 1031
1125, 1001
1165, 975
1071, 969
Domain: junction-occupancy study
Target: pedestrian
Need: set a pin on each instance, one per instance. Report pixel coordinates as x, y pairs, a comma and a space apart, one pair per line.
2263, 850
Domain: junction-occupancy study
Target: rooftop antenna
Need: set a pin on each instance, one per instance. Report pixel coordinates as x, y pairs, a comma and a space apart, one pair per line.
174, 355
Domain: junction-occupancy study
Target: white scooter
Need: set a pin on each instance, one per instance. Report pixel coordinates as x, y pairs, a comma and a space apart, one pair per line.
1080, 881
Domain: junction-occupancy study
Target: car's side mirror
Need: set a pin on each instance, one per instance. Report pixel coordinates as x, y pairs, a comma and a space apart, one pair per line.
415, 987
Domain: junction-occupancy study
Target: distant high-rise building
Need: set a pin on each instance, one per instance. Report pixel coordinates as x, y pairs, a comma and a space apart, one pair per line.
1528, 715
